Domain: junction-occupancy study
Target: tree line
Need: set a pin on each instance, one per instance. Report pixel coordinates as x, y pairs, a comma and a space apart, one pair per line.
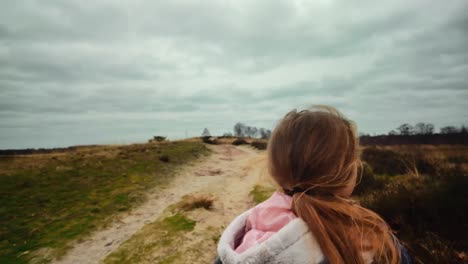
425, 129
420, 133
243, 130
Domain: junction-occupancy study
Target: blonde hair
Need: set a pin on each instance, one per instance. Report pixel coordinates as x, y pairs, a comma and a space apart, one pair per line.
316, 151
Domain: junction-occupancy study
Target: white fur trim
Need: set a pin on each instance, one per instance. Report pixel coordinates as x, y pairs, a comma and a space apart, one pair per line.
294, 243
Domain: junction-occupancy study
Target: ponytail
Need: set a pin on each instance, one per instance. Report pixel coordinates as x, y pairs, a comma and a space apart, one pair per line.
345, 231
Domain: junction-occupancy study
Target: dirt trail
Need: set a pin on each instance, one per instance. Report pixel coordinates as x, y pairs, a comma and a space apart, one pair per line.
229, 173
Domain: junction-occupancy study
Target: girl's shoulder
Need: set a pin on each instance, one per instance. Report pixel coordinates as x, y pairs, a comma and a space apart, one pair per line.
405, 256
293, 243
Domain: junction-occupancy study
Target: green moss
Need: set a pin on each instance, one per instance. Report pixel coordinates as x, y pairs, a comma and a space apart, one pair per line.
159, 236
261, 193
170, 258
179, 222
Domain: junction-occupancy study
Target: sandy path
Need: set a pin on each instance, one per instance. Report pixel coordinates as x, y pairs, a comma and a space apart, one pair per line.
230, 172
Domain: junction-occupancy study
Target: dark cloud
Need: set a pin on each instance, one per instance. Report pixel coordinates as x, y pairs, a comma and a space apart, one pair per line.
73, 72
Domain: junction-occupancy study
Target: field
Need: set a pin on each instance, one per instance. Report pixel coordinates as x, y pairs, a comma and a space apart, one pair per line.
48, 200
169, 202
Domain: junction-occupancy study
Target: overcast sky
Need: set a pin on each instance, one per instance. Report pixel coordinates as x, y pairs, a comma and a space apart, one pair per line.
85, 72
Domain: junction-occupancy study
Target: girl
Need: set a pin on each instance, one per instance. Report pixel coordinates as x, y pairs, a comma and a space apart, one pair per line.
313, 156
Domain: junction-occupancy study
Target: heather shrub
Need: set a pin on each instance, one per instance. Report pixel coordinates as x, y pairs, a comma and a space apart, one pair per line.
368, 181
457, 159
239, 141
260, 145
389, 162
416, 206
164, 158
383, 161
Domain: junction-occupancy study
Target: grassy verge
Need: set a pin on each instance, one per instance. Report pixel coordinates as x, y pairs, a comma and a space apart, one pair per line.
161, 235
261, 193
47, 200
176, 237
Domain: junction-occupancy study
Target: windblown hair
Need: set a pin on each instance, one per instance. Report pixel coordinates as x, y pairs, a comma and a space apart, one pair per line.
317, 151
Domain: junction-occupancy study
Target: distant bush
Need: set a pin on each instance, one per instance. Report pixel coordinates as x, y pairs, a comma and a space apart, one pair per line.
259, 145
159, 138
227, 135
164, 158
210, 140
239, 141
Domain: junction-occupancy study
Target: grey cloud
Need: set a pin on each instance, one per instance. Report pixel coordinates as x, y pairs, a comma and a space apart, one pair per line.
167, 67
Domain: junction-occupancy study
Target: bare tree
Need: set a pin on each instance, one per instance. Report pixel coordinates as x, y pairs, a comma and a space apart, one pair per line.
252, 131
424, 128
405, 129
429, 130
239, 130
449, 130
262, 132
242, 130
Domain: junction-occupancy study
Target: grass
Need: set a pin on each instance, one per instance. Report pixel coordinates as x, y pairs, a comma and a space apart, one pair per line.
160, 236
178, 222
173, 238
48, 200
261, 193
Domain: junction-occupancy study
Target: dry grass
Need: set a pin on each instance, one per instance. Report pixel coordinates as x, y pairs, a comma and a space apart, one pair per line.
191, 202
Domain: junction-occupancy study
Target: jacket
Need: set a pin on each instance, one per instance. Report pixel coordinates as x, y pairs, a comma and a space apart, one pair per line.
294, 243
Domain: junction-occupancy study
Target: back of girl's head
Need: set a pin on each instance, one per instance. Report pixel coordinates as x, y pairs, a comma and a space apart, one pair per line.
314, 148
313, 155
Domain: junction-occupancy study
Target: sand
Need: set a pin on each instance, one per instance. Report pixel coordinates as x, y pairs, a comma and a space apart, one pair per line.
229, 174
